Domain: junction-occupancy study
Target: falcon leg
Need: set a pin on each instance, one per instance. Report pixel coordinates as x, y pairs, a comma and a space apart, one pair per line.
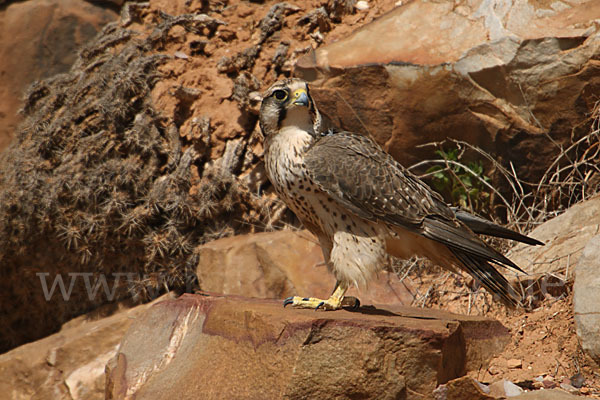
334, 302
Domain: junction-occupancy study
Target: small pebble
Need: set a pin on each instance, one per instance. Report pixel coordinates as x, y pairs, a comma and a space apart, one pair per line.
484, 388
492, 370
514, 363
569, 388
511, 389
181, 54
577, 380
548, 384
361, 5
504, 388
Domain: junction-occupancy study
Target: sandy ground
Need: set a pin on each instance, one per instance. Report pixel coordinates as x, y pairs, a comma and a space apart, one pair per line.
544, 351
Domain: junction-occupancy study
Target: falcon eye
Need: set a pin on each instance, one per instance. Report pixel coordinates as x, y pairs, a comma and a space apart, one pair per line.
280, 95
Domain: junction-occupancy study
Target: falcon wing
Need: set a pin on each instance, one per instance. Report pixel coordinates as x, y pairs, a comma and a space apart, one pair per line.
358, 174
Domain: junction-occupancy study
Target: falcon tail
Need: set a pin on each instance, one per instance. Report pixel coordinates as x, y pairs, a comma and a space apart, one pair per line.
484, 227
479, 268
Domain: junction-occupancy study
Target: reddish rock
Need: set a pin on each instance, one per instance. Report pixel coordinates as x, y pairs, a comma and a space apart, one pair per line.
514, 363
277, 265
501, 78
69, 364
461, 389
40, 38
230, 347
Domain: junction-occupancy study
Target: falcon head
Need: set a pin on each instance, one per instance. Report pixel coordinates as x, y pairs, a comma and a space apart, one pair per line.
287, 103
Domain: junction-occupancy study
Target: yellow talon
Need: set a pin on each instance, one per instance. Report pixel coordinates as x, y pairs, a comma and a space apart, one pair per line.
332, 303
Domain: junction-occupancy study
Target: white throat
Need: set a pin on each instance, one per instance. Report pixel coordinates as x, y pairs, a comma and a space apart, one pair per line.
298, 118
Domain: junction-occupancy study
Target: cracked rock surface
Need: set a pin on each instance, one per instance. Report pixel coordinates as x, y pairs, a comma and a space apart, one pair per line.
214, 347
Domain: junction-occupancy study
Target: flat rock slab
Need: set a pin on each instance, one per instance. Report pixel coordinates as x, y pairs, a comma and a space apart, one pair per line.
215, 347
70, 363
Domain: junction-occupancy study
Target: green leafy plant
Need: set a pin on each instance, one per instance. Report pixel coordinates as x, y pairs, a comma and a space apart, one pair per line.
463, 184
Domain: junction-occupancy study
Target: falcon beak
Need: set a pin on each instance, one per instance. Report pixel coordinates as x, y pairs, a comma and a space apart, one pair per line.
300, 98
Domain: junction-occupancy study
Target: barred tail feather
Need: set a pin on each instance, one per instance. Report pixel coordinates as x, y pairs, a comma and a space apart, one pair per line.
480, 269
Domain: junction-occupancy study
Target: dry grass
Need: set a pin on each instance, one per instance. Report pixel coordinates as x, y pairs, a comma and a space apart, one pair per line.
520, 205
573, 177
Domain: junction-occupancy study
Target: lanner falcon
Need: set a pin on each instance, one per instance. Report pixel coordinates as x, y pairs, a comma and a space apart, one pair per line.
362, 204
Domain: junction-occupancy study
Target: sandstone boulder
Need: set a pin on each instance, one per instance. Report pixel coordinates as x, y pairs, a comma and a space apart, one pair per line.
38, 39
586, 299
231, 347
516, 78
276, 265
69, 364
565, 237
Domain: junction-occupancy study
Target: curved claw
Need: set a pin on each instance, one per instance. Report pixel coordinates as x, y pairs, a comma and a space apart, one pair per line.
321, 304
288, 301
350, 303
